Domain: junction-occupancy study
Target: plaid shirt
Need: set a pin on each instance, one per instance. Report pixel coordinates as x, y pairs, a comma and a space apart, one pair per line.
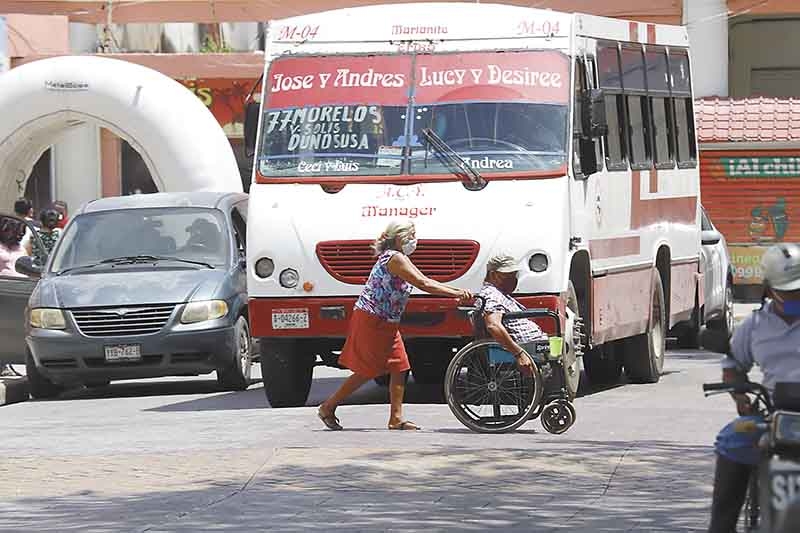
521, 330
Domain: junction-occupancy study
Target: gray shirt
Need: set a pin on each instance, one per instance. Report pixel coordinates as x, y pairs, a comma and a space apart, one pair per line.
766, 340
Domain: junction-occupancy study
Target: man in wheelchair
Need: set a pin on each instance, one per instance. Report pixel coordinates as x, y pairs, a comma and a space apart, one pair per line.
499, 284
512, 372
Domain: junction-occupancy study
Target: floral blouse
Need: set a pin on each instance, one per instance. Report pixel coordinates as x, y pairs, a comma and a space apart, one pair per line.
385, 295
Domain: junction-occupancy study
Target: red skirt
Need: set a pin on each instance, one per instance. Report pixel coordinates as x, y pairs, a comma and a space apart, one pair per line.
373, 347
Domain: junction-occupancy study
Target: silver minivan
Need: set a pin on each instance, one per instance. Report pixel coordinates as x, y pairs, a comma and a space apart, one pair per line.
138, 287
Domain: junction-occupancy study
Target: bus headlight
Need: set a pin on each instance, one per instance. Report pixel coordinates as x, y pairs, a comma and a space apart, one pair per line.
289, 278
47, 318
538, 262
265, 267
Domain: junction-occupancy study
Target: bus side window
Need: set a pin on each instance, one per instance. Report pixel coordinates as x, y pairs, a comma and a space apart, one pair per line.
591, 76
614, 143
638, 113
577, 117
681, 97
661, 115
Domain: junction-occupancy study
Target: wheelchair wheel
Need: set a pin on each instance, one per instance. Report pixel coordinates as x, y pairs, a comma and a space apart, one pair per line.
485, 390
558, 416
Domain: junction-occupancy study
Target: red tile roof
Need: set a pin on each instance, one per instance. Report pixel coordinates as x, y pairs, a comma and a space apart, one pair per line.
747, 119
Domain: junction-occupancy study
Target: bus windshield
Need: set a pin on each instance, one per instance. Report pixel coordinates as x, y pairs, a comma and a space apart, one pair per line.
366, 115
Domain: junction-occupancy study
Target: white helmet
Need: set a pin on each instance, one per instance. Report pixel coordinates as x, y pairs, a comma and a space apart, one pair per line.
781, 266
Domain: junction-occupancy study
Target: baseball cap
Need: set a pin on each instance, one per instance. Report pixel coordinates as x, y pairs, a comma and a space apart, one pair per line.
502, 263
781, 266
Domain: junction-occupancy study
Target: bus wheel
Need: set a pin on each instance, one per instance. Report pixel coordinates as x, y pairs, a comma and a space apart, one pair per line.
644, 354
573, 336
429, 359
603, 365
286, 372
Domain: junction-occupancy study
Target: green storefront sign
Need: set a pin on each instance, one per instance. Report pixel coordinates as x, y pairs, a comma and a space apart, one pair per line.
767, 167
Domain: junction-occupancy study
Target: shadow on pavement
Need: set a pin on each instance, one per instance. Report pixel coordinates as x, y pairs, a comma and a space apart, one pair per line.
322, 387
589, 486
160, 387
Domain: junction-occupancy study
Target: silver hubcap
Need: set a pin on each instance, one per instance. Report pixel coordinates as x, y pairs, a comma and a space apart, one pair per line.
657, 334
245, 357
572, 366
492, 386
729, 309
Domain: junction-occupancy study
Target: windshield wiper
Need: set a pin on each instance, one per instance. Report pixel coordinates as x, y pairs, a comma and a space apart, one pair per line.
454, 157
133, 259
148, 258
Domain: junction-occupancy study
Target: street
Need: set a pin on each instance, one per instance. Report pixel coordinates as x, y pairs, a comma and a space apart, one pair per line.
174, 455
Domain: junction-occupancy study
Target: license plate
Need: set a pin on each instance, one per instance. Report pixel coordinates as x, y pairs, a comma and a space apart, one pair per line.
290, 319
123, 352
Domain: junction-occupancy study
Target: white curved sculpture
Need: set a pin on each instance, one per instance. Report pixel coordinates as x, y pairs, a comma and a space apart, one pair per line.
177, 136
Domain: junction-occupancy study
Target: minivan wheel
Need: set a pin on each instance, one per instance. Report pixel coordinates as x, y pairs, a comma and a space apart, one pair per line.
40, 386
237, 375
726, 322
286, 371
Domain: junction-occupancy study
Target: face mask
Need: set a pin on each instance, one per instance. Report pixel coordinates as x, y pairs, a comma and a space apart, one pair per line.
507, 284
791, 308
409, 246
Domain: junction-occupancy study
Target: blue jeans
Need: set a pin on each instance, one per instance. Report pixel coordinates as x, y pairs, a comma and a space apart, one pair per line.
739, 446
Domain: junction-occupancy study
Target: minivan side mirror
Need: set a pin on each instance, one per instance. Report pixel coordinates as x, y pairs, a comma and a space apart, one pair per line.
710, 236
594, 119
27, 266
251, 115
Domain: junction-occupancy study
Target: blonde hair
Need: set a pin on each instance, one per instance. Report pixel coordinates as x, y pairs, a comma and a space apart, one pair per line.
386, 240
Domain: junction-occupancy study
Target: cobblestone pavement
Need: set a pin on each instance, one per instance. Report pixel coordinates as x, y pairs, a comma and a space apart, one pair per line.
178, 455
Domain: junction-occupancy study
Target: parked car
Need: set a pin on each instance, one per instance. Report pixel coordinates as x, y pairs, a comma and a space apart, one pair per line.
138, 287
715, 262
715, 265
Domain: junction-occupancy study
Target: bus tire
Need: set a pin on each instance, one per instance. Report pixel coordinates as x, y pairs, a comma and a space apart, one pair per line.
688, 334
286, 371
603, 365
429, 359
644, 354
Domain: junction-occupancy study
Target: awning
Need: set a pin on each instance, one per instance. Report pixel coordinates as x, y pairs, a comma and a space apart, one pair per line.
210, 11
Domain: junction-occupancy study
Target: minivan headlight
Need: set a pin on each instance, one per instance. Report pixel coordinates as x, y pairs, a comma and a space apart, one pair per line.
47, 318
201, 311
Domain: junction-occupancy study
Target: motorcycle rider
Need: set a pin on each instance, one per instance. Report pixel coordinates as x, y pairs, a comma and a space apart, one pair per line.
769, 338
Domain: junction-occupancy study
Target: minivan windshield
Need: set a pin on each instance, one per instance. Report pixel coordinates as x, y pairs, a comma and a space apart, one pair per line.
365, 115
183, 233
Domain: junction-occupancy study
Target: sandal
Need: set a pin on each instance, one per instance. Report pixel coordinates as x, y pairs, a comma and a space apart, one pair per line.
330, 421
406, 425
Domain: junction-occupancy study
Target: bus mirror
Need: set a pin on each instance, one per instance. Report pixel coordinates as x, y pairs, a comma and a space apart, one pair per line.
594, 120
251, 116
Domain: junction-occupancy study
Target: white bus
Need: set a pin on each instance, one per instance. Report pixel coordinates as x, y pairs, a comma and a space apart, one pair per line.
566, 140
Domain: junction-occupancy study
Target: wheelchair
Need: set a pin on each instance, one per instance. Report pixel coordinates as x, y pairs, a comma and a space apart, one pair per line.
488, 394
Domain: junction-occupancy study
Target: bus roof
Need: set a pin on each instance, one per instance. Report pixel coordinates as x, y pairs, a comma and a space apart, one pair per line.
453, 21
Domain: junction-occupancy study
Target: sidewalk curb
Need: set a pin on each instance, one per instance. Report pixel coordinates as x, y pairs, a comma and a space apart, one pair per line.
13, 390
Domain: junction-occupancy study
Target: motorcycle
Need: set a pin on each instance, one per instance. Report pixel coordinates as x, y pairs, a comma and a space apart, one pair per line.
772, 504
774, 485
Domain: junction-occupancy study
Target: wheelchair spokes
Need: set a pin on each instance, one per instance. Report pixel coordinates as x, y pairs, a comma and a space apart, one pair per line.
487, 392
